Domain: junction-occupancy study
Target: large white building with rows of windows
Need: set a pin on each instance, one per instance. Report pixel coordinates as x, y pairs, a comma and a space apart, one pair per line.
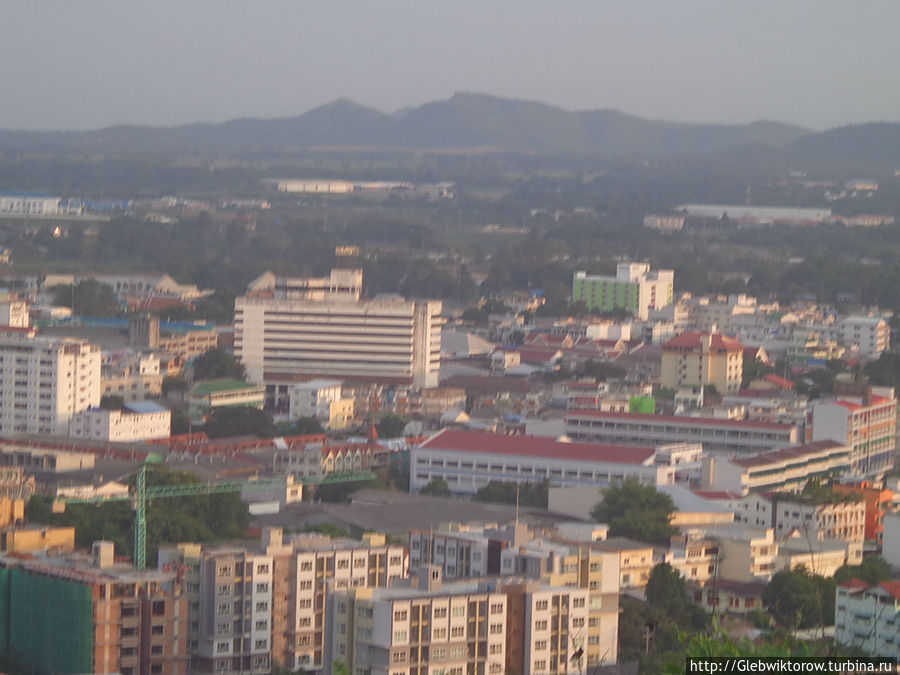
291, 330
45, 382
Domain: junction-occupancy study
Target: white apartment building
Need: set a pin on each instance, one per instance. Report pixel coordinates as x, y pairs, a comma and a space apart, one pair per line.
868, 336
134, 422
866, 617
786, 469
44, 382
833, 520
314, 399
716, 435
28, 204
288, 330
866, 423
469, 460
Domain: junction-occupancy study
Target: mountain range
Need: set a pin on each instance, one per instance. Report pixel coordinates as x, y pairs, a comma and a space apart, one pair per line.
467, 121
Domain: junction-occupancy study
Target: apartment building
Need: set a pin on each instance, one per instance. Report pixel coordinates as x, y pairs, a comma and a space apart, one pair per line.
634, 288
134, 422
88, 614
212, 394
469, 460
696, 360
865, 617
877, 500
829, 518
229, 607
289, 330
322, 400
747, 554
134, 377
694, 556
14, 313
866, 422
788, 469
44, 382
716, 435
307, 569
429, 627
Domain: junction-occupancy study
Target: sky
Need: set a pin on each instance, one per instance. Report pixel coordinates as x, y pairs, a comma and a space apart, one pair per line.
92, 63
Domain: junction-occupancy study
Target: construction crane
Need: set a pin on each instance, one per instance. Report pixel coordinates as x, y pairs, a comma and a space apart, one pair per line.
141, 494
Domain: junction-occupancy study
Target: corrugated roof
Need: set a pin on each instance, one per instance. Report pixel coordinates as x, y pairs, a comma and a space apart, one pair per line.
536, 446
681, 419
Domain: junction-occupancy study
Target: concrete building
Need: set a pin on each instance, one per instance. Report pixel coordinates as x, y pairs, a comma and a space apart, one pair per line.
664, 223
28, 204
890, 539
469, 460
865, 617
454, 628
134, 377
89, 614
867, 423
134, 422
716, 435
877, 500
14, 313
756, 214
747, 554
698, 360
788, 469
322, 400
211, 394
866, 336
229, 607
634, 288
44, 382
289, 330
831, 518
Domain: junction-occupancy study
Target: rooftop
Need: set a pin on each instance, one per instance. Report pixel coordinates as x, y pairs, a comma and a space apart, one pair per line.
716, 342
216, 386
795, 452
536, 446
682, 419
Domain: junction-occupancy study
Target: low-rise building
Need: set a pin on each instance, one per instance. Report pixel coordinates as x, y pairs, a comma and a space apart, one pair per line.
825, 517
212, 394
730, 597
135, 421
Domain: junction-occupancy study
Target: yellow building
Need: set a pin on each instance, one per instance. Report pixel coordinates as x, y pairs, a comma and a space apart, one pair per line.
37, 538
12, 511
702, 359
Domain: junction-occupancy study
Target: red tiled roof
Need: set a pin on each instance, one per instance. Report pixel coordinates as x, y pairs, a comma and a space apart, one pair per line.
695, 340
681, 419
779, 381
536, 446
778, 456
854, 583
892, 587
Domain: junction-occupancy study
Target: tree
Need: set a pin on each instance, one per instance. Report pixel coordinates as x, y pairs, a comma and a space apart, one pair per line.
307, 425
88, 297
528, 494
173, 383
636, 511
111, 402
217, 363
798, 599
390, 426
436, 488
239, 421
873, 570
667, 591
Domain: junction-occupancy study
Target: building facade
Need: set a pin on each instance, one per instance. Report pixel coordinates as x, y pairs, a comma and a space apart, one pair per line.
634, 288
865, 617
44, 382
292, 330
698, 360
137, 421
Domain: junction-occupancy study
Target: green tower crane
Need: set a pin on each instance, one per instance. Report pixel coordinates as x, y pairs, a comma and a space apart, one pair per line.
141, 494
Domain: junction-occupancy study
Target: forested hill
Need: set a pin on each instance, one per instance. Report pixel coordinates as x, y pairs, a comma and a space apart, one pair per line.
462, 121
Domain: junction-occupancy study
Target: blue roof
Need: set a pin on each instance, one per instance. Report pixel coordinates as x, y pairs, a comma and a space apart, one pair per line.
144, 407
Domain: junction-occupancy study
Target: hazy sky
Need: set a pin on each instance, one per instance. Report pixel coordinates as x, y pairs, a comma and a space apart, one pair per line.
87, 64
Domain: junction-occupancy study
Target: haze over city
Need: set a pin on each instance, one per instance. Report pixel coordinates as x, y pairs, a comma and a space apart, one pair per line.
94, 64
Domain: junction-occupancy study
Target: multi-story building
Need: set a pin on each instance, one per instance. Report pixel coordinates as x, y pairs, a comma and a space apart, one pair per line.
14, 313
136, 421
694, 556
289, 330
866, 336
867, 423
89, 614
877, 500
28, 204
229, 614
307, 570
787, 469
634, 288
134, 377
469, 460
44, 382
322, 400
430, 627
831, 517
698, 360
865, 617
747, 554
717, 435
212, 394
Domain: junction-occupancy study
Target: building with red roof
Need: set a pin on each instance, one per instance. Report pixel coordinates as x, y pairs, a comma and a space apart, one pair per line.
701, 360
865, 617
469, 460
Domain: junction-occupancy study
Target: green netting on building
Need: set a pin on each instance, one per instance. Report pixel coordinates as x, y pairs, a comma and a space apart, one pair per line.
4, 611
51, 623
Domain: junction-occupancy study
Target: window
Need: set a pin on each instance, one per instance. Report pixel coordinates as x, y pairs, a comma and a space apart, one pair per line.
157, 630
306, 566
440, 612
261, 644
577, 602
262, 606
540, 645
262, 588
262, 625
400, 615
262, 568
156, 650
540, 625
496, 608
457, 631
224, 571
496, 628
221, 647
400, 636
540, 604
